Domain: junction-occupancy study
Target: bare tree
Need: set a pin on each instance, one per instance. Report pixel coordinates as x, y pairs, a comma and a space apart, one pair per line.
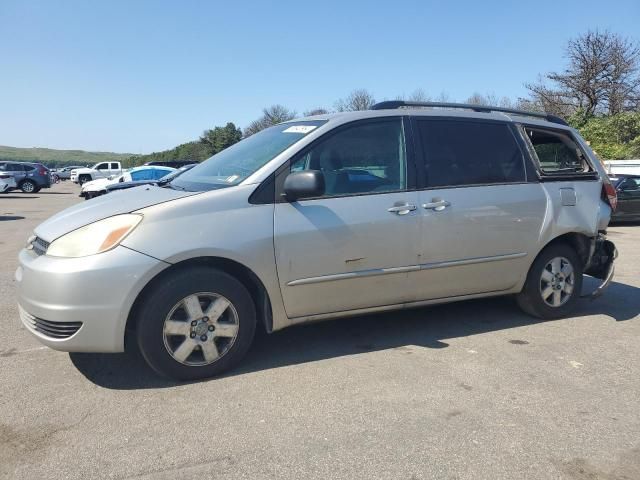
359, 99
419, 95
601, 77
315, 111
444, 97
270, 116
478, 99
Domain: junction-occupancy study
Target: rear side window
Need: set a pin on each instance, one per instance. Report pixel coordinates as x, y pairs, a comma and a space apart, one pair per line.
367, 157
28, 168
114, 166
556, 151
460, 153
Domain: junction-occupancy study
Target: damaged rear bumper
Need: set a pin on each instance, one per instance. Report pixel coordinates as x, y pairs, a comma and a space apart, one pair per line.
601, 265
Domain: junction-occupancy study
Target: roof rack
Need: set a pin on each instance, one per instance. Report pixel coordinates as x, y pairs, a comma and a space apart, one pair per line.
393, 104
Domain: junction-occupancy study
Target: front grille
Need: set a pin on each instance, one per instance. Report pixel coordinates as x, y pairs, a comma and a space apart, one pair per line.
52, 329
40, 246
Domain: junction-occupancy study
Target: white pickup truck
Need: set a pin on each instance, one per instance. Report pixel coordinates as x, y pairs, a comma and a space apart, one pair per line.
99, 170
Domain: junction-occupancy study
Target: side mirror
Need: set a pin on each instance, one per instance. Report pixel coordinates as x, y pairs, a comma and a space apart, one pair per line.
305, 184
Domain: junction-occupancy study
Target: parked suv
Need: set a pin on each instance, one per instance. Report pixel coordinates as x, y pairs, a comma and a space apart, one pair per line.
29, 177
400, 206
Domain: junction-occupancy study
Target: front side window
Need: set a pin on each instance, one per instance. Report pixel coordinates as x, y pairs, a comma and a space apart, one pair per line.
557, 153
102, 166
367, 157
464, 152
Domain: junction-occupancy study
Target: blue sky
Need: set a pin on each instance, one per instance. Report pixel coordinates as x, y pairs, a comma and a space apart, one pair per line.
142, 76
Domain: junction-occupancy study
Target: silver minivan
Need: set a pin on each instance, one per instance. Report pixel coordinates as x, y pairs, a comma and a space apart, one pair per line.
403, 205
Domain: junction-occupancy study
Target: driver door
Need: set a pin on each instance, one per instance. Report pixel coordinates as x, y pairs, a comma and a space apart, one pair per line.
352, 247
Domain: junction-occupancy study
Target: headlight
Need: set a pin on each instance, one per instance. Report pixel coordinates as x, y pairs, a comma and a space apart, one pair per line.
94, 238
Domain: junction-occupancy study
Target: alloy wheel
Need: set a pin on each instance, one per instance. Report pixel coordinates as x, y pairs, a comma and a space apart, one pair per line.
557, 282
200, 329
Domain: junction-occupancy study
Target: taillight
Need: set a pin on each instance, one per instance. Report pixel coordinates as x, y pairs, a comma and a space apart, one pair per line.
609, 194
42, 170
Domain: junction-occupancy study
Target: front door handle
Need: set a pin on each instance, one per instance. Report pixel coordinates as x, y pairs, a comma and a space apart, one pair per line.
402, 209
437, 205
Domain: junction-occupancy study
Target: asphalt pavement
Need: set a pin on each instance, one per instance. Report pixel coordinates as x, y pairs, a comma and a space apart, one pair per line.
471, 390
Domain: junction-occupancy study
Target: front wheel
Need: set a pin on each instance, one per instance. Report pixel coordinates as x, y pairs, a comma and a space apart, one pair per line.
196, 324
553, 284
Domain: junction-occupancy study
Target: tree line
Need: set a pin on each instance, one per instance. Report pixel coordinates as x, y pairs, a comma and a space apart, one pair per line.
598, 92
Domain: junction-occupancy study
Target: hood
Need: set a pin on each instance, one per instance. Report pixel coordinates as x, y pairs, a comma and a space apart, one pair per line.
105, 206
125, 185
98, 184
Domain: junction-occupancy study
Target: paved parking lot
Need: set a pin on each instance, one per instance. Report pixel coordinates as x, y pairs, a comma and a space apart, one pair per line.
462, 391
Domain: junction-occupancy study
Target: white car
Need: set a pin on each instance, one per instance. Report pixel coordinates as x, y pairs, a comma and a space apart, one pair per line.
98, 187
7, 182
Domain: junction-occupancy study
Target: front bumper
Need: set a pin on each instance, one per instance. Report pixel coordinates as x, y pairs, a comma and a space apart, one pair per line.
94, 294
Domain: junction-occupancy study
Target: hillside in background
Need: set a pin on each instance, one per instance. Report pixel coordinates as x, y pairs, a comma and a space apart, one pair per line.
53, 158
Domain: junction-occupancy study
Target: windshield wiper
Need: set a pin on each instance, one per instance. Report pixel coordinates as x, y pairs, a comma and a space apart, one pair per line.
167, 183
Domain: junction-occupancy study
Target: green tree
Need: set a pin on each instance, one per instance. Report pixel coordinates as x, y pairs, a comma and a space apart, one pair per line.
613, 136
221, 137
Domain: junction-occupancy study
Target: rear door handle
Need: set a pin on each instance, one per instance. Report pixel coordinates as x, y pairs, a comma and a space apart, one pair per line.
437, 205
402, 209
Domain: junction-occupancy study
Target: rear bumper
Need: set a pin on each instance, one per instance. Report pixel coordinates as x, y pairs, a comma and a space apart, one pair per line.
602, 265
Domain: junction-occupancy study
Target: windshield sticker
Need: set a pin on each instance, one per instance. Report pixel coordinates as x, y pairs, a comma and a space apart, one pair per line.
300, 129
232, 178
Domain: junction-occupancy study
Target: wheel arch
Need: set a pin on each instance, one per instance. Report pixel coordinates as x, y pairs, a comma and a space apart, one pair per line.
25, 180
239, 271
580, 242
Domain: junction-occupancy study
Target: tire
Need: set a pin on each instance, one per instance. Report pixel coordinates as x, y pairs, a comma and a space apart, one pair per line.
84, 178
166, 331
28, 186
565, 286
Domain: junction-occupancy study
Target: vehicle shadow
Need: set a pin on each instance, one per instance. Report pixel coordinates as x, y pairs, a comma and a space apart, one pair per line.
6, 218
428, 327
17, 197
55, 193
632, 223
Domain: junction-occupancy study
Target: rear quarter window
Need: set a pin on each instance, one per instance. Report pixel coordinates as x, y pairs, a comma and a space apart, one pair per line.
557, 153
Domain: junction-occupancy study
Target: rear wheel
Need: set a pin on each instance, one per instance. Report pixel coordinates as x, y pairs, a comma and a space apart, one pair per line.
197, 324
28, 186
553, 284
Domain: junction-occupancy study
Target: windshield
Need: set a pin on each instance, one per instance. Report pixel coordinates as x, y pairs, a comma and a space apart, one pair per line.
167, 178
232, 165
